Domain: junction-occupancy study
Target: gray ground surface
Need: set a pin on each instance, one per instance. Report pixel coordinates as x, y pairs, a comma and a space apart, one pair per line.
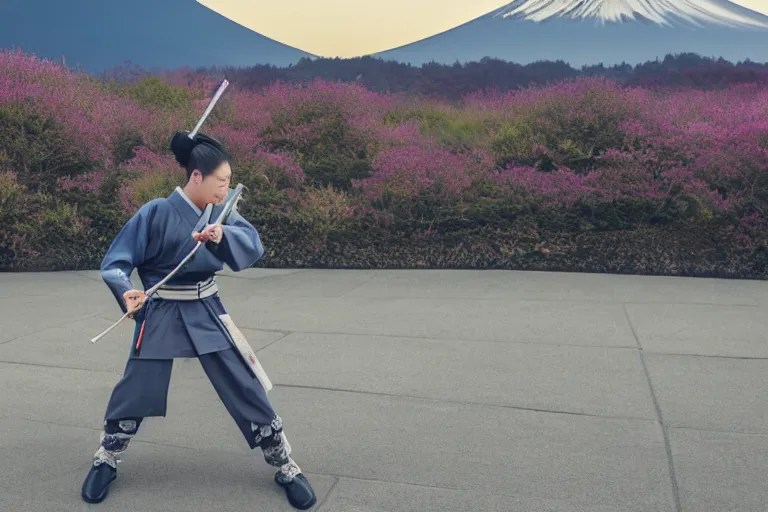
419, 391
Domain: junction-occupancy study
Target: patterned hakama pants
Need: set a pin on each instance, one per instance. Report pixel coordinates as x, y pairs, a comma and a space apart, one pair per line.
143, 391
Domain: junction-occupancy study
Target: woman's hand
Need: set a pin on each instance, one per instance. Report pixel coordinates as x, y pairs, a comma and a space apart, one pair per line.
134, 299
213, 233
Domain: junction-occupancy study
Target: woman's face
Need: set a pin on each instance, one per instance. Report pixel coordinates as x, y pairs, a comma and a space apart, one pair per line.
215, 186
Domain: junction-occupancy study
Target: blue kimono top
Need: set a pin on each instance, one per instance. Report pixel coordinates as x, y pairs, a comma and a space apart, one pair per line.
154, 241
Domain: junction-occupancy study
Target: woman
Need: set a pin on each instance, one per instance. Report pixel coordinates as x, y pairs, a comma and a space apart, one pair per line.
186, 318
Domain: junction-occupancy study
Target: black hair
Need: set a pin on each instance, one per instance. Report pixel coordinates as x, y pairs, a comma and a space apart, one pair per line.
202, 153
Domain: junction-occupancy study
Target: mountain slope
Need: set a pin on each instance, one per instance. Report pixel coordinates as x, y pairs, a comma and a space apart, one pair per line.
584, 32
662, 12
102, 34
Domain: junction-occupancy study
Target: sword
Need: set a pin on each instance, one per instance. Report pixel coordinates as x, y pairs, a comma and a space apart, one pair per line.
228, 207
225, 212
219, 92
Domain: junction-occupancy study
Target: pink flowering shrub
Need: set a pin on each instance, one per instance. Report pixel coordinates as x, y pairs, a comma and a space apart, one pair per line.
569, 124
268, 172
720, 138
280, 169
455, 128
153, 176
562, 187
331, 128
403, 173
321, 211
89, 183
638, 179
81, 124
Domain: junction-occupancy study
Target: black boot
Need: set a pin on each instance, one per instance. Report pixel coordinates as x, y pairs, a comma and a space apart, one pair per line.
96, 484
298, 491
114, 440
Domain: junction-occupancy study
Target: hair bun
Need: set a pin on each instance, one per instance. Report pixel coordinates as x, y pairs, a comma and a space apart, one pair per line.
182, 147
202, 138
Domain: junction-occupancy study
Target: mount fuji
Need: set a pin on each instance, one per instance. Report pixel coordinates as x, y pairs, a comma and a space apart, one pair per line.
591, 32
97, 35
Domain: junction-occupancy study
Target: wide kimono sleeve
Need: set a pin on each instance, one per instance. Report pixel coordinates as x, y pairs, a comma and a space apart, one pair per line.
127, 251
241, 246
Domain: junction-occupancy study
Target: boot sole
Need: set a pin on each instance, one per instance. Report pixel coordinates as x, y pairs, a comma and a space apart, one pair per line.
102, 497
305, 506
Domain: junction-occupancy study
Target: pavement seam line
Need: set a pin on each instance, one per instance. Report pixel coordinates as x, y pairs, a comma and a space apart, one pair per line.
721, 431
461, 402
274, 276
98, 429
336, 480
635, 346
708, 356
51, 423
638, 345
409, 483
359, 285
285, 335
499, 493
86, 317
659, 418
424, 298
94, 279
25, 363
427, 338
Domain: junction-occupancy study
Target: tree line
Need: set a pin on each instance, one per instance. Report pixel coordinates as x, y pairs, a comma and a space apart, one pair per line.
452, 82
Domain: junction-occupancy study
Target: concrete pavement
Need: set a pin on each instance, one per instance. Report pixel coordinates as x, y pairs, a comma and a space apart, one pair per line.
411, 391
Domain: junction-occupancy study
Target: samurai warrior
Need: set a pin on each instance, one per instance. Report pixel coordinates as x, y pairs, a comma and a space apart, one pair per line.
185, 317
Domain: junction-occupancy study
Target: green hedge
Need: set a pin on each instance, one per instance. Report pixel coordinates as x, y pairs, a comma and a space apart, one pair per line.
513, 238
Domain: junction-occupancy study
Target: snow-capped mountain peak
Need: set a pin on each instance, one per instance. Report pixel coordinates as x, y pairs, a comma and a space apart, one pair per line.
661, 12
